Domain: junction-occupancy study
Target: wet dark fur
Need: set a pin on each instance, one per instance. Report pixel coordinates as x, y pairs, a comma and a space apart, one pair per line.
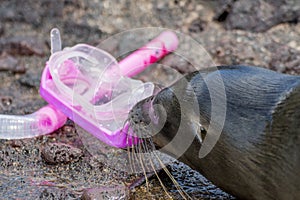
258, 153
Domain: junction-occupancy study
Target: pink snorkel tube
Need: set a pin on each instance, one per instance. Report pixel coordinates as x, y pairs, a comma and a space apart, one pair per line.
88, 86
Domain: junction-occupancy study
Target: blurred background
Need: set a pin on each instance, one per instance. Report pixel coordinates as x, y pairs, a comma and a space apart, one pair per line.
264, 33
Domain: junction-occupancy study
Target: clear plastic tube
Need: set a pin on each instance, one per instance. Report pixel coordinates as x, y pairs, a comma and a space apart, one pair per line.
17, 127
44, 121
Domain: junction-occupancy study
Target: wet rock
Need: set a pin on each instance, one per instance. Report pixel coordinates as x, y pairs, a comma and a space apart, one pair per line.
192, 182
96, 163
5, 159
142, 180
81, 30
1, 30
258, 15
77, 3
16, 143
178, 63
56, 153
20, 11
9, 63
224, 9
50, 194
30, 79
236, 51
21, 106
22, 45
106, 192
197, 26
52, 8
284, 59
31, 12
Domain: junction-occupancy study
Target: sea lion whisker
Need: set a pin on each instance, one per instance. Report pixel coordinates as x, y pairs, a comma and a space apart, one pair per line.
133, 156
160, 181
146, 150
143, 167
129, 154
178, 187
128, 146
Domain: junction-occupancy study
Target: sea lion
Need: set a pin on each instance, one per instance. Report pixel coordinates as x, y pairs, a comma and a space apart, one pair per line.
257, 155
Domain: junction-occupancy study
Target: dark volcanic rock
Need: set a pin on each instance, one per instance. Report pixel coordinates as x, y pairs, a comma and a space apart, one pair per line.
30, 79
32, 12
81, 30
9, 63
21, 45
56, 153
111, 192
178, 63
284, 59
20, 11
197, 26
225, 7
1, 30
231, 52
258, 15
50, 194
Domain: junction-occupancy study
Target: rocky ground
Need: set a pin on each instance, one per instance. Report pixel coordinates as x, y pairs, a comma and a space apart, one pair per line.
61, 166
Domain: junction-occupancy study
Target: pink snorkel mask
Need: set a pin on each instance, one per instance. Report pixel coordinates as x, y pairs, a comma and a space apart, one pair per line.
90, 87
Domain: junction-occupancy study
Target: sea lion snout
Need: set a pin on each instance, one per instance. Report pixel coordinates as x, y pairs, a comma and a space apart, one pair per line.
140, 112
143, 118
151, 117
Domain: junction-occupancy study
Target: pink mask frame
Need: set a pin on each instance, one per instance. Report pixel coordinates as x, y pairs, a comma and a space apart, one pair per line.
63, 104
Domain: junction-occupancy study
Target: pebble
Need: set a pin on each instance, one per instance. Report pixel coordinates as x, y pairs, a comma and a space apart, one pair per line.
56, 153
6, 100
244, 15
293, 44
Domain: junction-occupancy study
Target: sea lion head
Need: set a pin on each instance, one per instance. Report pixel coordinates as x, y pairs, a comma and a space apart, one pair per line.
169, 119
